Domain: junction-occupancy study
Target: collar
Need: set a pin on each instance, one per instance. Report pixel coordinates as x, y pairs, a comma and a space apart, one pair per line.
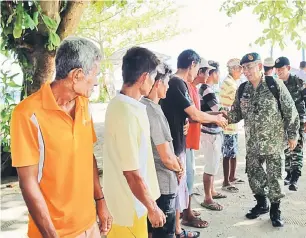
123, 98
48, 99
231, 79
289, 80
149, 101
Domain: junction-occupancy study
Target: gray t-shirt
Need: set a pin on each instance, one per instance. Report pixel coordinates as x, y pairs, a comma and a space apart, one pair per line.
160, 134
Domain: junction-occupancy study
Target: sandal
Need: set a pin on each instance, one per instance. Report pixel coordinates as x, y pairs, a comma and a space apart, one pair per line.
195, 213
212, 206
219, 196
238, 181
230, 188
186, 234
196, 223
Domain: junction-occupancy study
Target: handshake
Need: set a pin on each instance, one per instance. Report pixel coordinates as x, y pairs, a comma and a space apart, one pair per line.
221, 119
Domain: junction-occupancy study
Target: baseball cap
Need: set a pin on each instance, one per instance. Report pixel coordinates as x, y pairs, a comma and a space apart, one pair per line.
250, 57
204, 64
233, 62
269, 62
303, 64
281, 61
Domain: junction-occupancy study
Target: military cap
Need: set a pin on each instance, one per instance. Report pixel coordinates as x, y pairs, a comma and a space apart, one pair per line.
281, 61
251, 57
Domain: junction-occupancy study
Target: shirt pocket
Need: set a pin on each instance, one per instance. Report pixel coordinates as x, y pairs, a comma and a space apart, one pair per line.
244, 105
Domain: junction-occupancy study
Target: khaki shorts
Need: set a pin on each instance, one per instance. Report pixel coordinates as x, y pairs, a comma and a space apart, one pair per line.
92, 232
211, 147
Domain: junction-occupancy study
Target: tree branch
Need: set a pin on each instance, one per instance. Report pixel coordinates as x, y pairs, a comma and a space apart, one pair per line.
115, 14
50, 9
71, 17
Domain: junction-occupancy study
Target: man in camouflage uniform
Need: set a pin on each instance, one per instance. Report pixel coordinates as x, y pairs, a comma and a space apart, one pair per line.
294, 159
265, 132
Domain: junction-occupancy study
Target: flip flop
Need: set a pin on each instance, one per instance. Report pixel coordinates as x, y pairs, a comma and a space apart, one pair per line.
186, 234
212, 206
196, 223
219, 196
238, 181
230, 188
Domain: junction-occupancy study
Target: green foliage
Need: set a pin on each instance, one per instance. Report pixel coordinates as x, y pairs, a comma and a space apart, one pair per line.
126, 24
122, 24
18, 18
283, 20
8, 87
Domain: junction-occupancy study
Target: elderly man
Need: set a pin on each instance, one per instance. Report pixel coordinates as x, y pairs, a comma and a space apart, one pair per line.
230, 138
57, 170
269, 114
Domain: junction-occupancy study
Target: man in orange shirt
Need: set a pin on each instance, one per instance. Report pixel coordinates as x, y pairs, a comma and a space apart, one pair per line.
193, 135
52, 139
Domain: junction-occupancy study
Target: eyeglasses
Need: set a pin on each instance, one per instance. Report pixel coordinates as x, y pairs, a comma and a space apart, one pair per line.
248, 67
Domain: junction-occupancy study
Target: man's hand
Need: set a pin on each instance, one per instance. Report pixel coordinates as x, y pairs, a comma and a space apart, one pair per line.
180, 173
186, 127
292, 144
221, 121
224, 114
156, 217
105, 219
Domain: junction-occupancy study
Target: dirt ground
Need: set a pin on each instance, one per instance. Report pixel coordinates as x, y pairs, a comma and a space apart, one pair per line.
229, 223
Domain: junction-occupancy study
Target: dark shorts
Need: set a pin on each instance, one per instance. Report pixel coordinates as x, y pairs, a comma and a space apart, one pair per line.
167, 204
230, 146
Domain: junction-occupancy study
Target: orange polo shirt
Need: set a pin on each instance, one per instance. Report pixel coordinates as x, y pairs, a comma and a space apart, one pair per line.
42, 133
194, 131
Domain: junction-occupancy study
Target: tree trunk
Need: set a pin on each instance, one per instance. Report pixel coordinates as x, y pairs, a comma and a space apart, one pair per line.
34, 52
43, 69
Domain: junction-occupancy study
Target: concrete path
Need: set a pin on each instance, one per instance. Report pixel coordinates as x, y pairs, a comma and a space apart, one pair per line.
229, 223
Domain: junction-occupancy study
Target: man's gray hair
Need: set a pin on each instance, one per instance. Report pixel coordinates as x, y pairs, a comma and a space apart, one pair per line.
75, 52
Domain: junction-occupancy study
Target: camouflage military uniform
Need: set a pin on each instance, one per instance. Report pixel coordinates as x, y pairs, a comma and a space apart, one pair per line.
266, 135
294, 159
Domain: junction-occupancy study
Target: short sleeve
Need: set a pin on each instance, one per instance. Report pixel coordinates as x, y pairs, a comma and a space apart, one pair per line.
127, 138
24, 140
209, 99
157, 131
179, 94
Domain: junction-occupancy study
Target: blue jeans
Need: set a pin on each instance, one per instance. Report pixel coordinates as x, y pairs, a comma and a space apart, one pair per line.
190, 169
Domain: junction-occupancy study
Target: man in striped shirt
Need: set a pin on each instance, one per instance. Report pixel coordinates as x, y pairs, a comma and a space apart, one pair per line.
230, 140
211, 140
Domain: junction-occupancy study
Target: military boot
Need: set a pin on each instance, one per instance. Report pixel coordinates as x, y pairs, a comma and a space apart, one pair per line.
294, 179
275, 215
261, 207
287, 179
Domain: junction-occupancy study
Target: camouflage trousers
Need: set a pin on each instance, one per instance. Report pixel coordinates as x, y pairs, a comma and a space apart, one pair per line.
294, 159
269, 182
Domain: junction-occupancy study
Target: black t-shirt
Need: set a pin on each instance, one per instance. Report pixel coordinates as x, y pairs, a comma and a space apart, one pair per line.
176, 101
